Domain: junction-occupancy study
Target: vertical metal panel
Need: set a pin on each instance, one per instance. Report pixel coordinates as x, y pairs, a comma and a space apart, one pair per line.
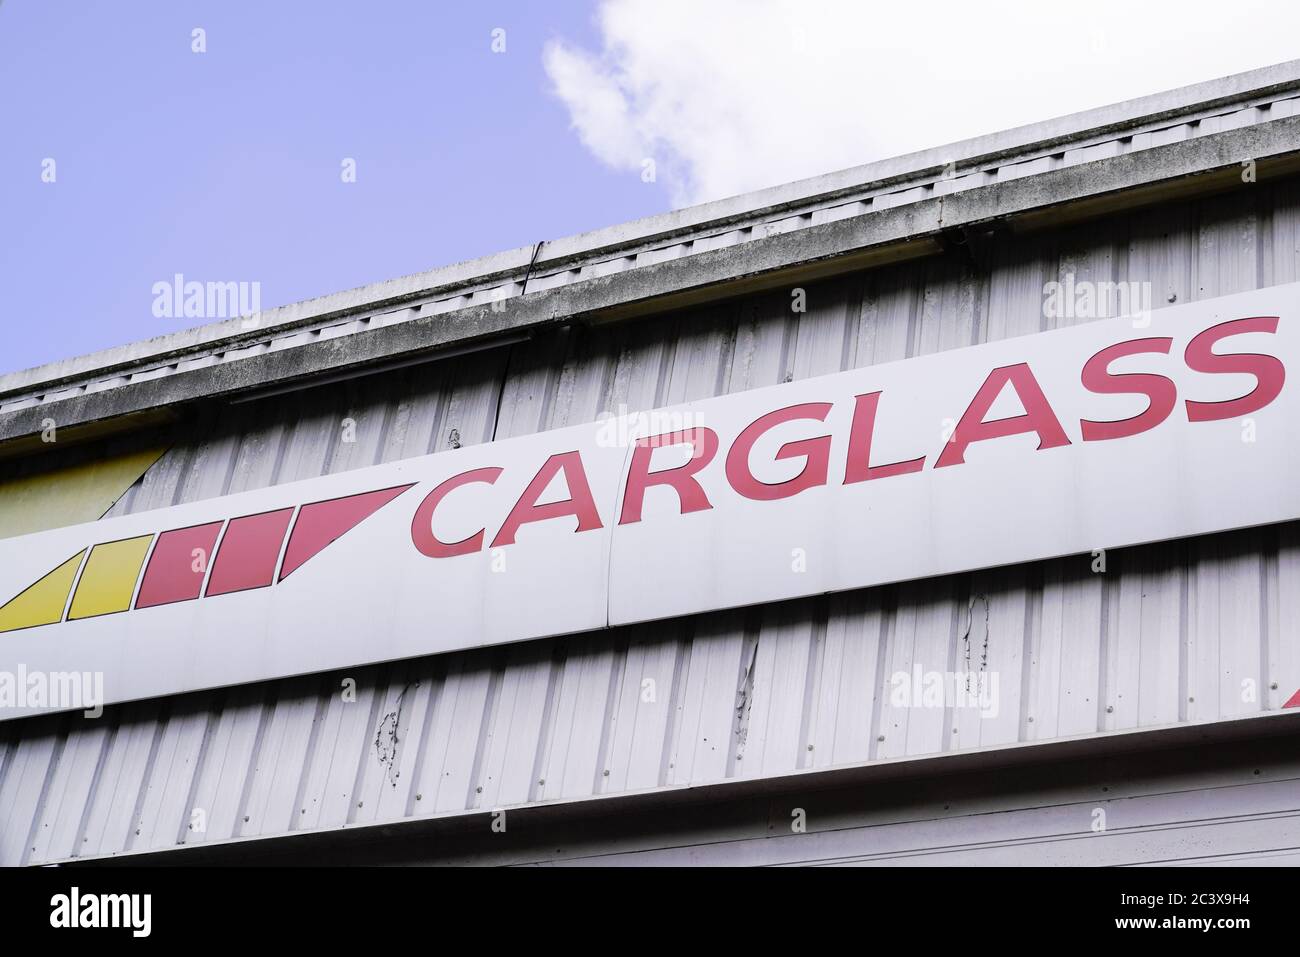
1169, 632
71, 493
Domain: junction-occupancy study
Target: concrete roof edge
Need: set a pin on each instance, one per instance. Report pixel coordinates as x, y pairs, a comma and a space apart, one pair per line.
1196, 166
717, 214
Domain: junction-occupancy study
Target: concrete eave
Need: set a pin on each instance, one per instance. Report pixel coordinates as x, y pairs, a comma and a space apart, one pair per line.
1076, 130
1103, 187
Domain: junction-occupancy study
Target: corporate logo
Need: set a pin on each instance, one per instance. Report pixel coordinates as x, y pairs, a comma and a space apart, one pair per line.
182, 564
263, 549
77, 909
960, 411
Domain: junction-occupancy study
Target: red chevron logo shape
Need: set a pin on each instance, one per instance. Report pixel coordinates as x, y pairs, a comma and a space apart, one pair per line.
245, 553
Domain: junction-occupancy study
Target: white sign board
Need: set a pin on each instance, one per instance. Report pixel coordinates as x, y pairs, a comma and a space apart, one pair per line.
1111, 433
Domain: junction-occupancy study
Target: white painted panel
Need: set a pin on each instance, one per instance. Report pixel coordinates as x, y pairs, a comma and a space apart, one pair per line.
1009, 502
376, 598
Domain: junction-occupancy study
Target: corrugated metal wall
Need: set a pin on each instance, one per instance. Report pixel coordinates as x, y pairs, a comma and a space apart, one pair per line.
1168, 633
1221, 802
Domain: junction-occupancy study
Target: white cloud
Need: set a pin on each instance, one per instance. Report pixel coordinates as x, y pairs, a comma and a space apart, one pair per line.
732, 95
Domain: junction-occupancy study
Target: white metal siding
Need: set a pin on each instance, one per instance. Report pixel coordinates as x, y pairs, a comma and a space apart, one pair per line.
1167, 634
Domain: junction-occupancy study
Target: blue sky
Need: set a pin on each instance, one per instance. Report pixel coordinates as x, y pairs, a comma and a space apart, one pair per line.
224, 166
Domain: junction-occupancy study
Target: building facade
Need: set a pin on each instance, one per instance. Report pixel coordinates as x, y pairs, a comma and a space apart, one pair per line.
1142, 688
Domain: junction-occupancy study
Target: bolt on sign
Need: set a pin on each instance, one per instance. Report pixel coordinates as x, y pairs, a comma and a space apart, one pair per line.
1103, 435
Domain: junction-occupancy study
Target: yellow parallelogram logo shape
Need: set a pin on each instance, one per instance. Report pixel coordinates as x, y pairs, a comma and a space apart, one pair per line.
43, 602
108, 582
106, 586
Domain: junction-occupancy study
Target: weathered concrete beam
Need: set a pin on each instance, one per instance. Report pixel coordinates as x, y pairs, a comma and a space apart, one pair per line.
1007, 146
1191, 167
